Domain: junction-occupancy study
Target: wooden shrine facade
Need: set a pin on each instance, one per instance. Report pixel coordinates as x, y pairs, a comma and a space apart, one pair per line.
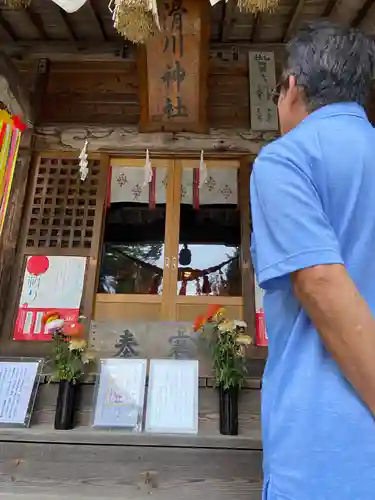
74, 80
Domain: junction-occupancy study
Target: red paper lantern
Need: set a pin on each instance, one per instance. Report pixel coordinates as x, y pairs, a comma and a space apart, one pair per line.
38, 264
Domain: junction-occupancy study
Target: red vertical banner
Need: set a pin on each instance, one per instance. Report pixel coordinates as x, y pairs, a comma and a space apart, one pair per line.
261, 337
152, 190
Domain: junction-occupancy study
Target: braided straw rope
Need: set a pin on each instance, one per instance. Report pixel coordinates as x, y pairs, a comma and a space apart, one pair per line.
135, 20
255, 6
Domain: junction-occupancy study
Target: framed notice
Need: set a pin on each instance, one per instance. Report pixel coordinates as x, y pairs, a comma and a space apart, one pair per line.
172, 401
120, 393
19, 382
48, 283
263, 112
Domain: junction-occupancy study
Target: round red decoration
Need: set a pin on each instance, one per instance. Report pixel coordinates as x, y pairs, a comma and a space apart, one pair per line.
38, 264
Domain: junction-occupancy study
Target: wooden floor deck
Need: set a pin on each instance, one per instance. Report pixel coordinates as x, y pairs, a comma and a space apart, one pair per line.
41, 463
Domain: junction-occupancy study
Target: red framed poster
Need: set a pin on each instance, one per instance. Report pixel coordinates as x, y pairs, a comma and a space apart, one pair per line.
49, 283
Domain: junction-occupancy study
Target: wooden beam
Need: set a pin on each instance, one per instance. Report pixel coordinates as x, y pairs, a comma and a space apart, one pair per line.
293, 20
256, 28
331, 5
365, 17
227, 20
7, 29
37, 22
346, 11
66, 22
96, 20
56, 50
16, 86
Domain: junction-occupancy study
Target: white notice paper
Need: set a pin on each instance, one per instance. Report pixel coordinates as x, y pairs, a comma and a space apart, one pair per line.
172, 402
120, 393
17, 381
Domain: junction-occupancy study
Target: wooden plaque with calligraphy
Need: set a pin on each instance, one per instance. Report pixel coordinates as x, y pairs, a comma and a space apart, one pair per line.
173, 69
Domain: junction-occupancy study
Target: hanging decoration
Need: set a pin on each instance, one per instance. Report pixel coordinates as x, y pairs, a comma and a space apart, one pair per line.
147, 170
11, 128
83, 162
202, 171
36, 266
18, 4
136, 20
256, 6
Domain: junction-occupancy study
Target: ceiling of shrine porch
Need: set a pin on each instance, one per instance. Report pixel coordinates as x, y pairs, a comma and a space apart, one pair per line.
45, 29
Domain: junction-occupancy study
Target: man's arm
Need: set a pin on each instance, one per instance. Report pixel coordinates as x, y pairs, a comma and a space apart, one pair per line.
344, 322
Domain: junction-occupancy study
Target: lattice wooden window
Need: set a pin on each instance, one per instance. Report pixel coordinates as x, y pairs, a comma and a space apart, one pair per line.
63, 210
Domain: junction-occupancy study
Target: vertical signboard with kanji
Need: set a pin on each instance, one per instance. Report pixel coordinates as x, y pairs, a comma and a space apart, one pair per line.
50, 283
173, 68
262, 82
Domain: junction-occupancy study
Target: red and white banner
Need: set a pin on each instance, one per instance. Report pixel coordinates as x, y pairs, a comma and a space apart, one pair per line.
50, 283
261, 337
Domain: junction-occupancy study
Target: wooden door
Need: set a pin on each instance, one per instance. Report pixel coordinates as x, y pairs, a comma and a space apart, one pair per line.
206, 224
138, 234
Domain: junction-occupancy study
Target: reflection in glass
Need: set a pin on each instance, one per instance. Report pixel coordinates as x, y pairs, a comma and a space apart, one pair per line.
214, 270
133, 247
132, 269
210, 236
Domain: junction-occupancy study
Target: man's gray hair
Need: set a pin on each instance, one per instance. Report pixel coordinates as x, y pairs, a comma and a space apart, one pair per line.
332, 64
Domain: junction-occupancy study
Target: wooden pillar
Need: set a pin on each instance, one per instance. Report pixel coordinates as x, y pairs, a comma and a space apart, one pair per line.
15, 97
248, 289
13, 92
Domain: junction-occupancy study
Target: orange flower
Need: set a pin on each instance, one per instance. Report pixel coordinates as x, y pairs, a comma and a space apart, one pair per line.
199, 322
50, 316
74, 329
213, 310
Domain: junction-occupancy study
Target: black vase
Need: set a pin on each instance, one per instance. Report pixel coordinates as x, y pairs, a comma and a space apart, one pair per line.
228, 400
65, 405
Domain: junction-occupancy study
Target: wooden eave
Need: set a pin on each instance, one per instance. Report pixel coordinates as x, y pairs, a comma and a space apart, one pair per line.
44, 30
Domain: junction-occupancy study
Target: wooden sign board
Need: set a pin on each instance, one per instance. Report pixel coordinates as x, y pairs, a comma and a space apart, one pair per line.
173, 69
262, 82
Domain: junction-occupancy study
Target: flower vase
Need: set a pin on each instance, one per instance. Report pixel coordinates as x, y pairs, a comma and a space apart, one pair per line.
65, 405
228, 401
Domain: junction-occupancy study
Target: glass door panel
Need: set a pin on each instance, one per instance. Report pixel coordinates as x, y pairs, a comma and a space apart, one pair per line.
207, 261
134, 245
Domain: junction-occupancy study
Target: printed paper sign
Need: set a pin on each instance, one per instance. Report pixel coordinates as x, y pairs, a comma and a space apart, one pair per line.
172, 402
50, 283
17, 381
120, 393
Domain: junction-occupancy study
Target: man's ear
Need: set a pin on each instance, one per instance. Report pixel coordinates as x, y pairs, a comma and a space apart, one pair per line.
293, 90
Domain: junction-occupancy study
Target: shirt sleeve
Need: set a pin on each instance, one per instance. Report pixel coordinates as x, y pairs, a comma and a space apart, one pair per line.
290, 228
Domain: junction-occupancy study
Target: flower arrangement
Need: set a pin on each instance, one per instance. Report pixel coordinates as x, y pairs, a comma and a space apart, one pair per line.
227, 340
70, 349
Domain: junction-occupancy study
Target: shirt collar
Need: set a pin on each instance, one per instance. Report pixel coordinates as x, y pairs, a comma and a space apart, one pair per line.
342, 108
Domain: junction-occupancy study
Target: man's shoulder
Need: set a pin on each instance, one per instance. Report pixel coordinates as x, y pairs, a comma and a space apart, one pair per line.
293, 149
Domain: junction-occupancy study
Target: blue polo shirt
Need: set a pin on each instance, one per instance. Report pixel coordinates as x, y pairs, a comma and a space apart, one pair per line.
313, 202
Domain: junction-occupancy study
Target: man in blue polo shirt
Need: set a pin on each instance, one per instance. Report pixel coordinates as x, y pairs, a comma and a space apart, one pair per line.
313, 245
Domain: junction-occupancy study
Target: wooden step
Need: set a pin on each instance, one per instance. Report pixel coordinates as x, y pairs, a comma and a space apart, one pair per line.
42, 463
